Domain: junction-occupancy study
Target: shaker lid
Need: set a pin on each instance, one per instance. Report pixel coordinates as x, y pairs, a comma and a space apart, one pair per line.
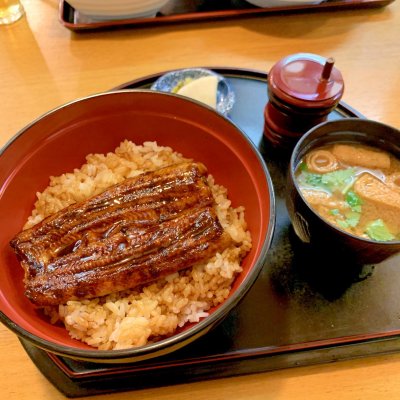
306, 79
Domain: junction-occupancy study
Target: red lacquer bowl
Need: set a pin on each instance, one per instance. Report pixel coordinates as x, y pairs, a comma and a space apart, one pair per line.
58, 141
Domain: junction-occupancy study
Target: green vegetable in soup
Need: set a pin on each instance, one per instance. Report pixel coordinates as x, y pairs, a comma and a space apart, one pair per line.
354, 201
350, 220
303, 166
377, 230
314, 180
338, 180
342, 223
353, 218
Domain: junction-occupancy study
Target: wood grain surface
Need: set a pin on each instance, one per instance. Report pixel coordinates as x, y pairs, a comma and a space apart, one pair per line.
43, 65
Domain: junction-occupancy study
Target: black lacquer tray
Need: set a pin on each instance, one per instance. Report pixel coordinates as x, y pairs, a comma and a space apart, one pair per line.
302, 309
180, 11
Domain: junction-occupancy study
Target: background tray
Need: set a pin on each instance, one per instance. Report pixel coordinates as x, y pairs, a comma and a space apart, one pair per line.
302, 310
196, 10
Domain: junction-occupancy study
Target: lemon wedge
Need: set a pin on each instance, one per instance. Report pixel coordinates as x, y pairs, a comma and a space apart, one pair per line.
203, 89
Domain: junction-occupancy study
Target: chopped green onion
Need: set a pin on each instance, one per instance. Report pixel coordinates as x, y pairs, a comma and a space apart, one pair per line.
377, 230
313, 179
351, 221
353, 218
342, 224
354, 201
303, 166
338, 180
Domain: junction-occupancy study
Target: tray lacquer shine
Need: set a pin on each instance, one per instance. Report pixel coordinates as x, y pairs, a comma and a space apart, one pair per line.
302, 310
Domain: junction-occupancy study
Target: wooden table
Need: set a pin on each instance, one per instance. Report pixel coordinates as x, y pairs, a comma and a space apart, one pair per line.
43, 65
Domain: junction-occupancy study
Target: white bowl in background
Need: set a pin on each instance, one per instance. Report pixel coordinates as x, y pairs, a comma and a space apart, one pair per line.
118, 9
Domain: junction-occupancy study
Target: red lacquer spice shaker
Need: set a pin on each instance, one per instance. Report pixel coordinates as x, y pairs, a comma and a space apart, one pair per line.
303, 89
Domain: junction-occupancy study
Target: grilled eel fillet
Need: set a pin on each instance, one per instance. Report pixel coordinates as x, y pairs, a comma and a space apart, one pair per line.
137, 231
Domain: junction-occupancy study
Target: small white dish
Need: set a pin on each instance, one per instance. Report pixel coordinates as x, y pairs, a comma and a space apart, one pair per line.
171, 80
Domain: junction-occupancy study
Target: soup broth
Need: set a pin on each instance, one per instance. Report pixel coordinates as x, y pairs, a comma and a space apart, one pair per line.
355, 187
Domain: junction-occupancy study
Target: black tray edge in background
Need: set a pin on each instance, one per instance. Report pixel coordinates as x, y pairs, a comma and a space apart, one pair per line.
66, 14
101, 379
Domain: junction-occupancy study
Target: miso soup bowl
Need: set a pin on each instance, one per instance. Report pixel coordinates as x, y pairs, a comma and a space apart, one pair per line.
308, 225
58, 142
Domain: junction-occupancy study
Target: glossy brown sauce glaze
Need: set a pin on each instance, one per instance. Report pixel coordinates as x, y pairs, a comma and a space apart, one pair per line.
142, 229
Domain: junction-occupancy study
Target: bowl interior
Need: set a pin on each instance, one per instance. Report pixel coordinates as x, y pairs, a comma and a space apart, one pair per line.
59, 141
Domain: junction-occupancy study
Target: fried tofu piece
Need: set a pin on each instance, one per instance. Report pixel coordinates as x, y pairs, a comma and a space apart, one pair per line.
370, 188
379, 202
361, 157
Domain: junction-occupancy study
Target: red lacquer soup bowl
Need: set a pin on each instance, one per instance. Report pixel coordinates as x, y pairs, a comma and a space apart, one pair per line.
58, 142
